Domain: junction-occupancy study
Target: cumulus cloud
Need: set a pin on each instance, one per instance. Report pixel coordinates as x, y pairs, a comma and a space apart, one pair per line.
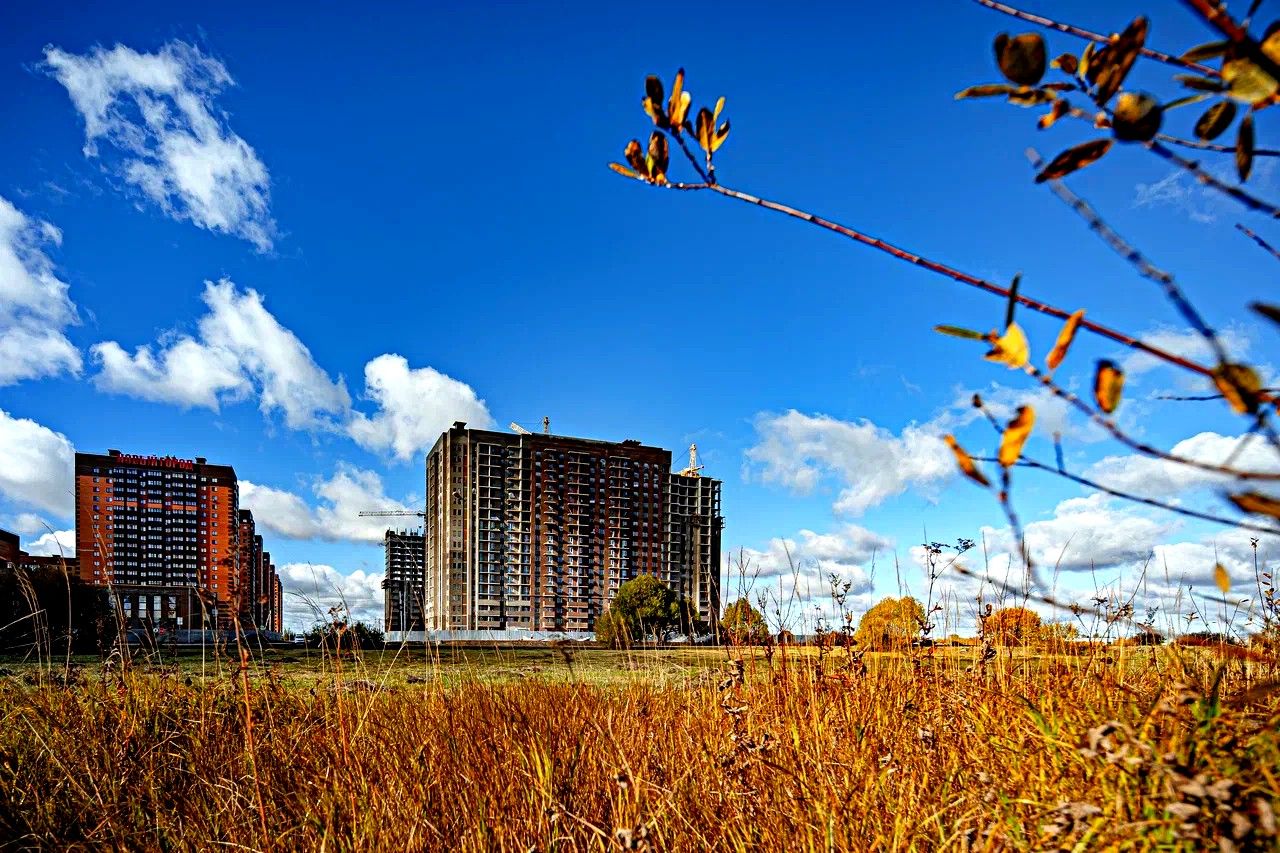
1053, 414
1086, 533
869, 463
59, 543
157, 113
342, 497
36, 466
287, 377
1160, 478
414, 407
279, 511
26, 524
240, 348
1187, 343
311, 590
793, 575
187, 374
35, 308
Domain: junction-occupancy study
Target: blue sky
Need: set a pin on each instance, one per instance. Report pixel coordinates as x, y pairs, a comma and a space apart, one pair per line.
344, 230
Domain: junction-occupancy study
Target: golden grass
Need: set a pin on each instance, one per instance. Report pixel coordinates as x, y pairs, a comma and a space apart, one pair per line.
1131, 748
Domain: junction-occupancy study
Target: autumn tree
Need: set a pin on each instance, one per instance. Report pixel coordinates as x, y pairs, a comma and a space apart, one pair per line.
1013, 626
743, 625
891, 624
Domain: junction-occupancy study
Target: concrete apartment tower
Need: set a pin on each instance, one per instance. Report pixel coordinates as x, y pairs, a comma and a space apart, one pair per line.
536, 532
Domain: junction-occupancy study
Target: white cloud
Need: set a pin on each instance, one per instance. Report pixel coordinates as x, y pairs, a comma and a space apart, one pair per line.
1166, 480
1180, 189
59, 543
240, 346
187, 374
792, 576
158, 111
1053, 414
26, 524
342, 498
36, 466
1086, 533
34, 305
311, 590
1187, 343
240, 349
288, 377
869, 463
279, 511
414, 407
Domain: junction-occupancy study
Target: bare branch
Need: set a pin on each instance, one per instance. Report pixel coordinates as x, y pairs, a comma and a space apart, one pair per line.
1027, 462
950, 272
1139, 261
1080, 32
1124, 438
1209, 180
1216, 16
1248, 232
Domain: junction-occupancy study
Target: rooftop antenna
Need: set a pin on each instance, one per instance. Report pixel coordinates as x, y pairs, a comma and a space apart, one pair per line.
546, 425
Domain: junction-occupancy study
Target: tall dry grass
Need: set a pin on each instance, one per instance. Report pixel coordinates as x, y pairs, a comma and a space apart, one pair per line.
943, 751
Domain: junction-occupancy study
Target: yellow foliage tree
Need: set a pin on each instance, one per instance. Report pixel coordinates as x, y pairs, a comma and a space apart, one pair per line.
1013, 626
892, 623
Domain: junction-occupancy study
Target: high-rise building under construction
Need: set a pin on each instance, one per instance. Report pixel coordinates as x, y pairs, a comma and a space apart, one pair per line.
402, 583
536, 532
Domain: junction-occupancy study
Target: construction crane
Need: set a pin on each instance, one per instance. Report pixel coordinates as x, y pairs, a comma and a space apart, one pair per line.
694, 467
546, 427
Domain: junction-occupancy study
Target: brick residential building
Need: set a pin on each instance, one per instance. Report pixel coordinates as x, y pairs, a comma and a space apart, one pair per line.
536, 532
165, 534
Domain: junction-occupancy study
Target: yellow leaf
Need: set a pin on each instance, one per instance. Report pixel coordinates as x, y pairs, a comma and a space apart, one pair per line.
722, 133
1011, 348
703, 127
1239, 384
1065, 337
1221, 578
1247, 81
635, 156
1059, 109
965, 461
653, 97
1257, 503
656, 162
623, 170
1074, 158
1015, 436
1108, 385
678, 105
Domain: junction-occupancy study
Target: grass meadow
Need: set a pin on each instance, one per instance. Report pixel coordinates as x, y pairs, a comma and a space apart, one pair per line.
587, 749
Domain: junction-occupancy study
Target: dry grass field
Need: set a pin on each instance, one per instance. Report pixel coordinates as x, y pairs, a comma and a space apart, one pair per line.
595, 750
